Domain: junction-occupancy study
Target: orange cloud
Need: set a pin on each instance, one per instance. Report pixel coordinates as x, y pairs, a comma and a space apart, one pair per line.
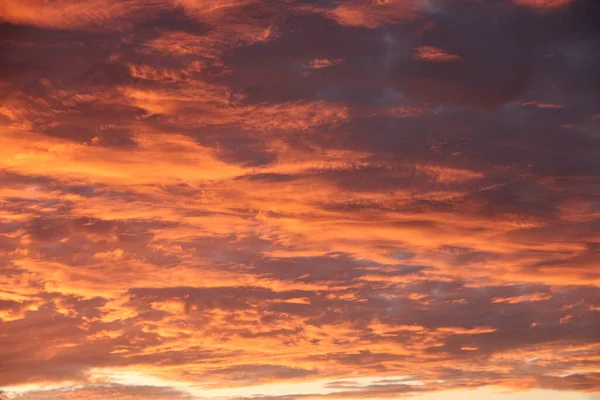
322, 63
372, 14
87, 14
434, 54
543, 4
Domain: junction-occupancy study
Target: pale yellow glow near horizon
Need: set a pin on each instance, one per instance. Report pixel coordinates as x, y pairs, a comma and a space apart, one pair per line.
499, 393
311, 388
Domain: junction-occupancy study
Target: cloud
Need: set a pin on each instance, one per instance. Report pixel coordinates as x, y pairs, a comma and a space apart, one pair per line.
298, 199
430, 53
67, 14
115, 391
543, 4
538, 104
359, 13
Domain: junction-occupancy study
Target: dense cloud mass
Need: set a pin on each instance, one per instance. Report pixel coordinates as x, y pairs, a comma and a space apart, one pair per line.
299, 198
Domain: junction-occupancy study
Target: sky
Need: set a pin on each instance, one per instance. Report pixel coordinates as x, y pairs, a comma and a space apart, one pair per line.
300, 199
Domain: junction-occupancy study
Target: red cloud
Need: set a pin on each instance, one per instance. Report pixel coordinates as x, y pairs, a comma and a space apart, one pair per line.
435, 54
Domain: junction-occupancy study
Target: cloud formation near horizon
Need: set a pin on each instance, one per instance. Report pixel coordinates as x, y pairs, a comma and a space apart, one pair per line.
298, 199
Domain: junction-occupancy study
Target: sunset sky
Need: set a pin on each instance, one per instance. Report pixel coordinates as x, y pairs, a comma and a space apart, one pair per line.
300, 199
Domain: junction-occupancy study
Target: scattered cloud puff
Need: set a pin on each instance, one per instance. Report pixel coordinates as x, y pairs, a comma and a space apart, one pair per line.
298, 199
434, 54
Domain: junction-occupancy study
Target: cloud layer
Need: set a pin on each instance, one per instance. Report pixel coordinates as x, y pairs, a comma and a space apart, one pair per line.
298, 199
